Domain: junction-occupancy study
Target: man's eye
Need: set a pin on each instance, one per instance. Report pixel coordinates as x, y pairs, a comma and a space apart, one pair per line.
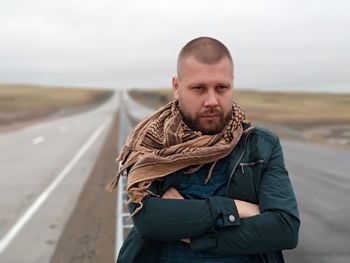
198, 87
221, 88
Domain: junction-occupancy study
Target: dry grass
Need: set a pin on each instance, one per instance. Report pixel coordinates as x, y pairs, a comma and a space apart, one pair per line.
23, 103
297, 110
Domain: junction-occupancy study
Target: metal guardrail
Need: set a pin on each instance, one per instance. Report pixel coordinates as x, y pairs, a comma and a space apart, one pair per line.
121, 214
127, 106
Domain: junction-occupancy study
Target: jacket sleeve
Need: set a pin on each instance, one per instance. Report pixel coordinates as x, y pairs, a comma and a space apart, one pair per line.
277, 226
173, 219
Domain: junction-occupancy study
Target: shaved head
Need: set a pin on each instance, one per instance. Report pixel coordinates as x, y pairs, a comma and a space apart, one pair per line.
205, 50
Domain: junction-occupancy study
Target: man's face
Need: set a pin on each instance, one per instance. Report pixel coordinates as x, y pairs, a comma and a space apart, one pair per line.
205, 94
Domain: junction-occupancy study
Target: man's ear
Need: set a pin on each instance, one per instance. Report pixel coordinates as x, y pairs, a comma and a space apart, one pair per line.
175, 84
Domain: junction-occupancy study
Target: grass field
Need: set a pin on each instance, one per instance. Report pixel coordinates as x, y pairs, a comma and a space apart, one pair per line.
283, 112
26, 103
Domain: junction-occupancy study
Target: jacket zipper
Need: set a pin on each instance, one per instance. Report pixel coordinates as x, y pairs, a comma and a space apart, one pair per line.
240, 158
250, 164
235, 167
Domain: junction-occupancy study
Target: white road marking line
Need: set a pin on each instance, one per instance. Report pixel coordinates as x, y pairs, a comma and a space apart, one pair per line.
38, 140
10, 235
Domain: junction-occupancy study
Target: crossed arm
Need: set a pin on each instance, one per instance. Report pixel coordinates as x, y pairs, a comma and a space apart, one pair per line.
245, 209
167, 219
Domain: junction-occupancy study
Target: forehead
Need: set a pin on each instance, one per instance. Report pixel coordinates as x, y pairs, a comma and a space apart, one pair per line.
193, 70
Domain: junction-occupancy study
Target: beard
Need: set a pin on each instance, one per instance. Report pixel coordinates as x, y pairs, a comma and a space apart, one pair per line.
207, 127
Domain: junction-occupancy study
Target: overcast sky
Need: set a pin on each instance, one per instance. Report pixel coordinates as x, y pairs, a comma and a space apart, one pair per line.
276, 44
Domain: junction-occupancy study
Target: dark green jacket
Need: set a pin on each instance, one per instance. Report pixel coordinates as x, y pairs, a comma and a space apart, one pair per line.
258, 175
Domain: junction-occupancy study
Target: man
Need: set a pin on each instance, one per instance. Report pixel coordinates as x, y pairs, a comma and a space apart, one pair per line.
203, 184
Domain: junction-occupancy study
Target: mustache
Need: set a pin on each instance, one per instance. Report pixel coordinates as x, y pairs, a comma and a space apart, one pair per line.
212, 111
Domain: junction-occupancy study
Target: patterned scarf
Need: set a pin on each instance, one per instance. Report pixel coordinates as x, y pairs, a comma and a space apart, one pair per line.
163, 144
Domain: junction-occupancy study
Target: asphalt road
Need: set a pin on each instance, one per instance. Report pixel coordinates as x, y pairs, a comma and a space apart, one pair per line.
42, 171
321, 180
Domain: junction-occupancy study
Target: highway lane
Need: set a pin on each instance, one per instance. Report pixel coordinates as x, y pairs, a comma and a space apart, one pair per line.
321, 179
49, 161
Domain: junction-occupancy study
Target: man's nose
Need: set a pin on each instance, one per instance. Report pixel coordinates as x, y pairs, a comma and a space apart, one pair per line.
211, 100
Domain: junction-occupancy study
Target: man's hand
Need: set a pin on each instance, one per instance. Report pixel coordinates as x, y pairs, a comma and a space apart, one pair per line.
246, 209
172, 193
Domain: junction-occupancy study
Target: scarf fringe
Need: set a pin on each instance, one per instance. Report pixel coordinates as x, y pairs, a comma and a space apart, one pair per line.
137, 194
114, 183
210, 172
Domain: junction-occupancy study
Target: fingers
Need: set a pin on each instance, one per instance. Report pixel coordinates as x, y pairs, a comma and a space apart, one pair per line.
246, 209
172, 193
186, 240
